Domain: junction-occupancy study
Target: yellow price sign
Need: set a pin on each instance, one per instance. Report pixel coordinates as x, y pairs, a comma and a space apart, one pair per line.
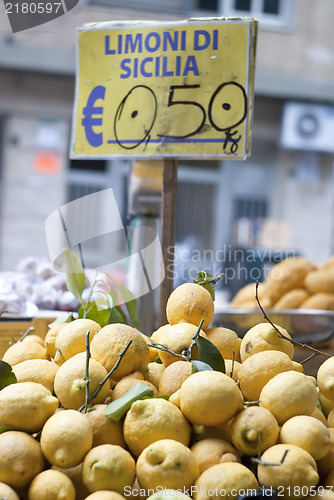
182, 89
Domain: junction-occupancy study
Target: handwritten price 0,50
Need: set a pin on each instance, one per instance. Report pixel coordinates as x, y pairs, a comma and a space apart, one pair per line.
226, 110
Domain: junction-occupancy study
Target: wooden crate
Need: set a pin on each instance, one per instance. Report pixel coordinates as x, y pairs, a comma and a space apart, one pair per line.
14, 329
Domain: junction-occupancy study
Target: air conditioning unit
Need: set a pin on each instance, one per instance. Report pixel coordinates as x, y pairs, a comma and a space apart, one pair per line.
308, 127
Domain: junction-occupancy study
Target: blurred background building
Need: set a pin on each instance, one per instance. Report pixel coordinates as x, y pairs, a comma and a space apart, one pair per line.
279, 200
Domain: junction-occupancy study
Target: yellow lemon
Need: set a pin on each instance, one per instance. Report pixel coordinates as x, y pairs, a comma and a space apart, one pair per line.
151, 420
7, 493
264, 337
41, 371
326, 464
154, 372
190, 303
127, 382
226, 340
232, 478
71, 339
325, 378
50, 339
175, 398
210, 398
317, 413
173, 377
166, 464
308, 433
253, 430
21, 351
294, 477
320, 493
26, 406
108, 467
154, 353
232, 369
111, 340
326, 404
51, 485
178, 338
259, 368
70, 383
163, 495
66, 438
288, 394
75, 475
34, 338
21, 458
105, 430
211, 451
105, 495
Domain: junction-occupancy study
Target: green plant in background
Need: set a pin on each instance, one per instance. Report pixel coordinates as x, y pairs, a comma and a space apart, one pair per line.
107, 308
207, 281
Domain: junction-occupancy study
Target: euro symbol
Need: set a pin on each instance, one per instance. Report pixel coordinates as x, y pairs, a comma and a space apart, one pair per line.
93, 116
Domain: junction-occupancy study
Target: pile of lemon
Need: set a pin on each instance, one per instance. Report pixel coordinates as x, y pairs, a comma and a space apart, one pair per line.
204, 434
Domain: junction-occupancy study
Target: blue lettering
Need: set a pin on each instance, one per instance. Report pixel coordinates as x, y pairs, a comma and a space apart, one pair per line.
125, 68
190, 65
157, 66
131, 44
198, 34
142, 66
168, 40
107, 49
135, 68
165, 71
90, 119
178, 66
120, 39
156, 40
215, 40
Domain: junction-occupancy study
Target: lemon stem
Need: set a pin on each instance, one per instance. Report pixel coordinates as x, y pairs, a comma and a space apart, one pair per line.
163, 347
30, 329
271, 464
259, 452
194, 340
116, 365
87, 372
232, 364
305, 346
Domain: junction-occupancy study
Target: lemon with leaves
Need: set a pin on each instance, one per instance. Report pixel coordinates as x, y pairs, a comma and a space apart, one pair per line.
232, 478
108, 467
210, 398
288, 394
150, 420
289, 469
253, 430
51, 485
66, 438
166, 464
109, 343
21, 458
264, 337
190, 303
212, 451
71, 339
70, 383
26, 406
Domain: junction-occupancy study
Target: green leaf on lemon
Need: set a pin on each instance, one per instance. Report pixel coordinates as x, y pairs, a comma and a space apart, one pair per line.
209, 353
7, 376
75, 275
117, 408
199, 366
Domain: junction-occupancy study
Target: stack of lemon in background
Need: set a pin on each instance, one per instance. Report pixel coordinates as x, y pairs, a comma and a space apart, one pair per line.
293, 283
262, 423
